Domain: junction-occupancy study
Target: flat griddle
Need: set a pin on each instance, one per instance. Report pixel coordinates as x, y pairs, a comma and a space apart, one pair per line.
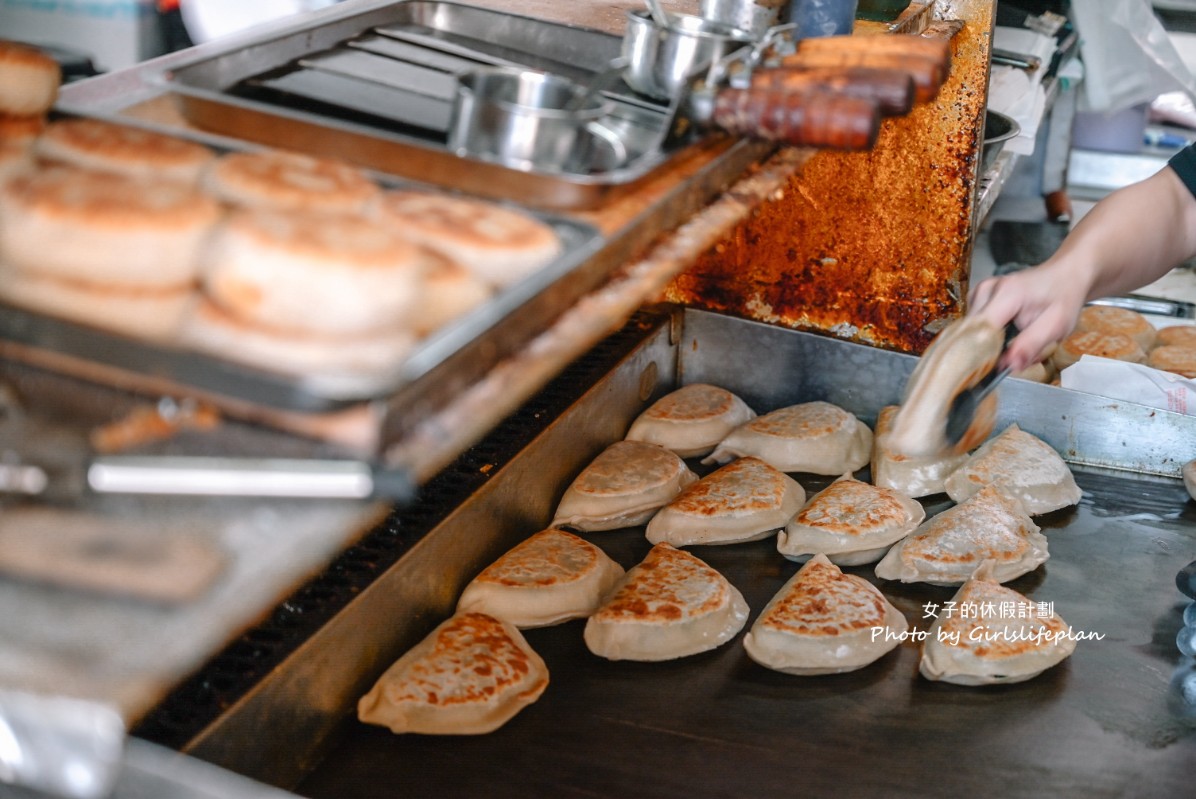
717, 724
1109, 721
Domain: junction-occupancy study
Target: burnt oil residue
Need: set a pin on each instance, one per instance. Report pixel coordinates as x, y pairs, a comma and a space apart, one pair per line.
876, 243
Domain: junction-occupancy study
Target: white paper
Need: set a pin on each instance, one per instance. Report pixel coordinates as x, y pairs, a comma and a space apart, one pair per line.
1131, 382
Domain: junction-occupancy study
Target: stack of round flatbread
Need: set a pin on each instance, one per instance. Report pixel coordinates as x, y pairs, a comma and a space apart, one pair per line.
1175, 350
29, 81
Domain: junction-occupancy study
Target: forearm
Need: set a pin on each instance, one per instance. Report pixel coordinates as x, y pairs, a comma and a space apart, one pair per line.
1130, 238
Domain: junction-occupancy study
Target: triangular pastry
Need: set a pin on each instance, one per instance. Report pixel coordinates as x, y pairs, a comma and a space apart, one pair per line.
670, 605
551, 577
1020, 465
823, 621
746, 500
691, 420
960, 355
627, 483
947, 548
993, 634
469, 676
812, 437
912, 475
851, 522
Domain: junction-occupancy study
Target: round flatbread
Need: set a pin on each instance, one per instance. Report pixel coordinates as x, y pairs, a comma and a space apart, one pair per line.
122, 150
280, 180
498, 244
29, 79
1109, 320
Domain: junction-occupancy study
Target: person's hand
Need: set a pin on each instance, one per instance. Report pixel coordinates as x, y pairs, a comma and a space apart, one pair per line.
1042, 302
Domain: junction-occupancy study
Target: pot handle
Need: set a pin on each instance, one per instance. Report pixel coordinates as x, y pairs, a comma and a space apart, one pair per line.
811, 118
928, 74
892, 90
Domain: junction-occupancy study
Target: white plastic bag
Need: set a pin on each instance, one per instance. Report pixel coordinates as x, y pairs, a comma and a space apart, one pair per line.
1128, 57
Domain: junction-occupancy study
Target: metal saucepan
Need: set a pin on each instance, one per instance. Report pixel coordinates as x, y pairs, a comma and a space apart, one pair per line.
529, 120
661, 61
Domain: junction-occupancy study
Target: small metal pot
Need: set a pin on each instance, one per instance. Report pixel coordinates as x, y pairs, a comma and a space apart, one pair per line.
660, 62
525, 119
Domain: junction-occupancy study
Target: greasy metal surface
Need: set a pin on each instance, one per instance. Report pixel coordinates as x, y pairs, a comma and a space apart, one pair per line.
271, 93
874, 246
122, 651
717, 724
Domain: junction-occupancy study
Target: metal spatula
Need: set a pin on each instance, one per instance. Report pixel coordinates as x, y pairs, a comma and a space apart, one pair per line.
964, 406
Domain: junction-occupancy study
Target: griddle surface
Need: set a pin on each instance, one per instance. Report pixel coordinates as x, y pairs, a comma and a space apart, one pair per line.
1107, 722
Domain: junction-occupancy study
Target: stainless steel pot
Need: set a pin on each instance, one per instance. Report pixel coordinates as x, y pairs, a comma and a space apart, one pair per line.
660, 61
528, 120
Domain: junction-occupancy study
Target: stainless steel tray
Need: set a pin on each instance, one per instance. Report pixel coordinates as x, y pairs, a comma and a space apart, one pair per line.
467, 346
376, 88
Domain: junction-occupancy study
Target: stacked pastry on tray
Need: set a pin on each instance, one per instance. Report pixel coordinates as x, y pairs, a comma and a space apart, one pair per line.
1125, 334
283, 261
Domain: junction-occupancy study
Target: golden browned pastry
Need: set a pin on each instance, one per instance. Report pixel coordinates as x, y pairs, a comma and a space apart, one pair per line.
122, 150
328, 274
29, 80
851, 522
823, 621
548, 578
691, 420
993, 635
1176, 334
814, 437
15, 159
277, 179
624, 486
1177, 358
469, 676
670, 605
746, 500
1020, 465
947, 548
1105, 345
498, 244
1108, 319
75, 224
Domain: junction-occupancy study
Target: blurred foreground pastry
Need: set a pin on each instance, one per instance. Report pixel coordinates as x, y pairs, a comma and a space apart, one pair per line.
823, 621
993, 635
122, 150
282, 180
668, 606
29, 80
469, 676
1178, 359
497, 244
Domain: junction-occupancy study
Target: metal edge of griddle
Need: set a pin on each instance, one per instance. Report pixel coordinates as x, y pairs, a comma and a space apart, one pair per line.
199, 86
281, 726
